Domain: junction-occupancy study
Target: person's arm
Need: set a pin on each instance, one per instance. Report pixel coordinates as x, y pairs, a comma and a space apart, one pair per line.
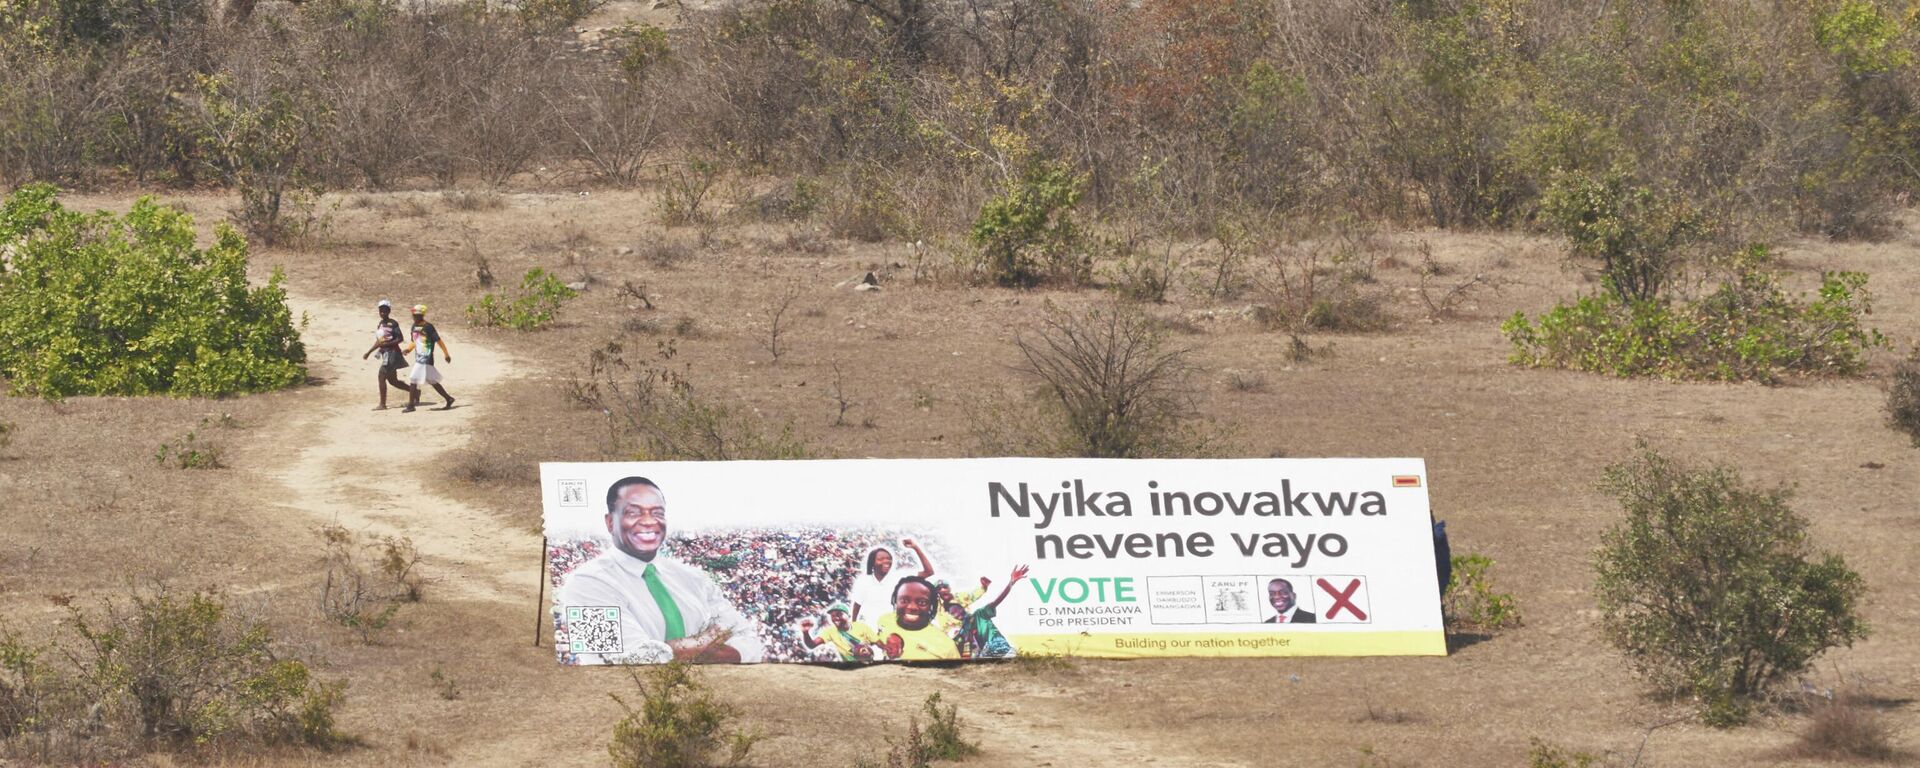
735, 639
926, 563
369, 352
585, 589
806, 634
1019, 572
446, 353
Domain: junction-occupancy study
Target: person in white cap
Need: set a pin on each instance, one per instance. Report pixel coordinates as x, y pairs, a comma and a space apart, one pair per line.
425, 340
386, 341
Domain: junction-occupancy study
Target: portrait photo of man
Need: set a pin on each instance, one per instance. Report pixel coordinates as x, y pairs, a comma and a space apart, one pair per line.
660, 599
1286, 604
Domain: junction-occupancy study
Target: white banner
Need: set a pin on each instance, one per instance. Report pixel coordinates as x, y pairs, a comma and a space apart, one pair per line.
928, 559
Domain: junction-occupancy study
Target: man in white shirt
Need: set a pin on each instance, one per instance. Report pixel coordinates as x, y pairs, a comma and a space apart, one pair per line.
663, 605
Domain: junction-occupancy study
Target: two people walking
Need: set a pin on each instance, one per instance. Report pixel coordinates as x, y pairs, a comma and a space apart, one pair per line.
422, 340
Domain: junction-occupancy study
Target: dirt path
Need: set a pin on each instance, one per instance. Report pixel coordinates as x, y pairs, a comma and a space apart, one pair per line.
368, 470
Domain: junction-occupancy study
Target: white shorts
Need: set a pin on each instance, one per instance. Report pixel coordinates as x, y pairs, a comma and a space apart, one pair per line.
423, 373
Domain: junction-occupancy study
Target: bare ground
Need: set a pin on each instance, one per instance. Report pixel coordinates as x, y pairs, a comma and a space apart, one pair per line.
1514, 455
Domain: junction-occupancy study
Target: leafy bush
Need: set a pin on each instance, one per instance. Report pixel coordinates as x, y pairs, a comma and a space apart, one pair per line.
654, 412
1544, 755
1110, 386
1638, 235
1903, 398
677, 725
103, 305
189, 452
538, 303
1747, 330
1471, 602
1028, 231
1862, 36
1713, 589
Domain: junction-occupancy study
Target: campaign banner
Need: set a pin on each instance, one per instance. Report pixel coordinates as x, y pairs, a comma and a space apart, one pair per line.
848, 561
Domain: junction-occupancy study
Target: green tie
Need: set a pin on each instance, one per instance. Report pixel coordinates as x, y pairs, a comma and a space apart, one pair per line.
669, 612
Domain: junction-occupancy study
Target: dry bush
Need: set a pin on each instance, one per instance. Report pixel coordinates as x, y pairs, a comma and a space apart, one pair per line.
654, 411
1108, 385
471, 200
1309, 287
165, 670
1903, 398
491, 464
610, 124
367, 579
1846, 727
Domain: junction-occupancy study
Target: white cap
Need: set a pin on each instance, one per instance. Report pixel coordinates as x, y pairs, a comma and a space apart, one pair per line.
384, 303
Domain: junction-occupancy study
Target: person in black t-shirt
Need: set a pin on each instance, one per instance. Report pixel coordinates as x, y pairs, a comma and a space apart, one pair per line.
386, 341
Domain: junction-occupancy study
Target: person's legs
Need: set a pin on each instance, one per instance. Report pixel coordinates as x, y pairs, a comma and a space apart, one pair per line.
446, 400
389, 376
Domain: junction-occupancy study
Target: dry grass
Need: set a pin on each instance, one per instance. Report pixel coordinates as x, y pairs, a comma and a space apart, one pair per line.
84, 504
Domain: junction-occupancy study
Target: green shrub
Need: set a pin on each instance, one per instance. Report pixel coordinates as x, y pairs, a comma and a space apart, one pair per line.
1903, 398
103, 305
1862, 37
189, 452
945, 736
1028, 231
1713, 589
1749, 329
1544, 755
1638, 235
25, 694
1471, 602
537, 304
677, 725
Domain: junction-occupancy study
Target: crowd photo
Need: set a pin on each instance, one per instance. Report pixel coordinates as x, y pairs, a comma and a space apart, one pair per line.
792, 595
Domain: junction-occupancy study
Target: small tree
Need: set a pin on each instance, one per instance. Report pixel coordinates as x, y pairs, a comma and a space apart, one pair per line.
1028, 231
1713, 589
262, 136
1636, 233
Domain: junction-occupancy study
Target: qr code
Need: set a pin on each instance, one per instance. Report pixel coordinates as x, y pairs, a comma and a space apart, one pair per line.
593, 629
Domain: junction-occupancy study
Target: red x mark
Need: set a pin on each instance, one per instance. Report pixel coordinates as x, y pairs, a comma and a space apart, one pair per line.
1343, 599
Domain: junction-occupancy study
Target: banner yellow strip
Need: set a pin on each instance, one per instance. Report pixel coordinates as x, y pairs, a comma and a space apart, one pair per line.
1146, 645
